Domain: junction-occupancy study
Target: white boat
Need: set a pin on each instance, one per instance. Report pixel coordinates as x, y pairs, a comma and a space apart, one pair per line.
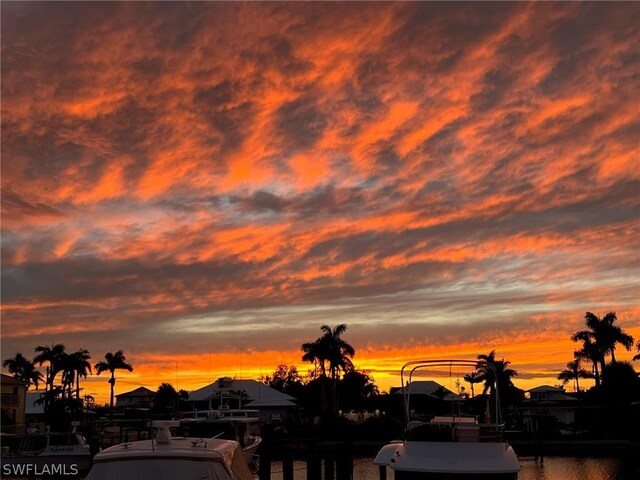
44, 454
171, 458
239, 424
448, 447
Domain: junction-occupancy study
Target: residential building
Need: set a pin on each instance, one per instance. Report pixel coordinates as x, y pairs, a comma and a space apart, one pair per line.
250, 394
140, 397
13, 398
548, 401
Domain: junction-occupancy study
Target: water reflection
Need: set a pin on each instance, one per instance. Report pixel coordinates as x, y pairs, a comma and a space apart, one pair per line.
564, 468
552, 468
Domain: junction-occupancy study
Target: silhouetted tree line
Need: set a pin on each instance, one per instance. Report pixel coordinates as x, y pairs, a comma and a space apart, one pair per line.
63, 370
336, 384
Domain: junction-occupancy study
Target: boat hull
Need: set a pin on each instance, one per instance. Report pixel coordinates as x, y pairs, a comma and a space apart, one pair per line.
450, 460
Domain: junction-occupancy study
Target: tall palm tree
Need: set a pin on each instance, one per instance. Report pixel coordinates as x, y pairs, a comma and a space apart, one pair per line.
574, 372
339, 351
613, 334
603, 333
472, 378
80, 367
53, 357
339, 357
497, 377
68, 374
315, 352
332, 351
23, 370
114, 361
590, 352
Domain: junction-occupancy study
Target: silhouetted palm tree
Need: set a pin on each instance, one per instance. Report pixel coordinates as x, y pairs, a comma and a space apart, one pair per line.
68, 374
604, 334
79, 365
497, 377
331, 349
315, 352
574, 372
339, 351
23, 370
53, 357
114, 361
472, 378
591, 352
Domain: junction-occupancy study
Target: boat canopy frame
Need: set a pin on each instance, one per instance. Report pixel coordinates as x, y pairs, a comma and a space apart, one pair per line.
425, 364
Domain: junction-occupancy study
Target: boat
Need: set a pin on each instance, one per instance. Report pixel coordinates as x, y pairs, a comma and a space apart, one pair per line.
239, 424
47, 453
169, 458
448, 447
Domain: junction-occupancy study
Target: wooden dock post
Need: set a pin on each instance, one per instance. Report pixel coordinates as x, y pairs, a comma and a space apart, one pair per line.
344, 466
314, 467
329, 467
264, 470
287, 468
383, 472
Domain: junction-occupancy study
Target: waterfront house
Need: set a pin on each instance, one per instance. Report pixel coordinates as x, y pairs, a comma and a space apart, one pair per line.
548, 401
141, 397
12, 400
250, 394
427, 398
428, 387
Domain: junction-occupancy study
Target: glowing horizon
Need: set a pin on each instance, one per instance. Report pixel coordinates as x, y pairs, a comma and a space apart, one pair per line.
445, 178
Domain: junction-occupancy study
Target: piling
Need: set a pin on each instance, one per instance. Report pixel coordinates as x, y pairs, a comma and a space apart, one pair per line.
314, 468
382, 469
287, 468
329, 467
264, 470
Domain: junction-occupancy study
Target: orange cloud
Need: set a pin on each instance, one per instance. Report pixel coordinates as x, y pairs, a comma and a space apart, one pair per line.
211, 165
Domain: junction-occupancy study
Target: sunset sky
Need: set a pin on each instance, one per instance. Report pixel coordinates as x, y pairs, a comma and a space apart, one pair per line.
203, 185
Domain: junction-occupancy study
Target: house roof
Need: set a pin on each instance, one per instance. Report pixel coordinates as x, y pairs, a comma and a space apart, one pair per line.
9, 380
553, 399
546, 388
552, 396
259, 394
428, 387
138, 392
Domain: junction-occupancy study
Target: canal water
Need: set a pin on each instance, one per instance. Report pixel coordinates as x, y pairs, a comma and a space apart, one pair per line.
552, 468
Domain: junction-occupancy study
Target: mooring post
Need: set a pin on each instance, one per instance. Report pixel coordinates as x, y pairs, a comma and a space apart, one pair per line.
314, 467
329, 467
344, 466
264, 470
383, 472
287, 468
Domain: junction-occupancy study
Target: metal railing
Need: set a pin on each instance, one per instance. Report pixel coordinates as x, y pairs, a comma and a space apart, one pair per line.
425, 364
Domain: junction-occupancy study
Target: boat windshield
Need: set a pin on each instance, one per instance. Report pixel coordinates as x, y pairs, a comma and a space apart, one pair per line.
158, 469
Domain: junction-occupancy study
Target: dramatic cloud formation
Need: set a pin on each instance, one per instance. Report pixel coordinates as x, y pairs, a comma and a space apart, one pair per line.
208, 183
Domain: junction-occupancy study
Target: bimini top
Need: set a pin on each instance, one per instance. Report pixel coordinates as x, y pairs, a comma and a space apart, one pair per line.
171, 458
413, 366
